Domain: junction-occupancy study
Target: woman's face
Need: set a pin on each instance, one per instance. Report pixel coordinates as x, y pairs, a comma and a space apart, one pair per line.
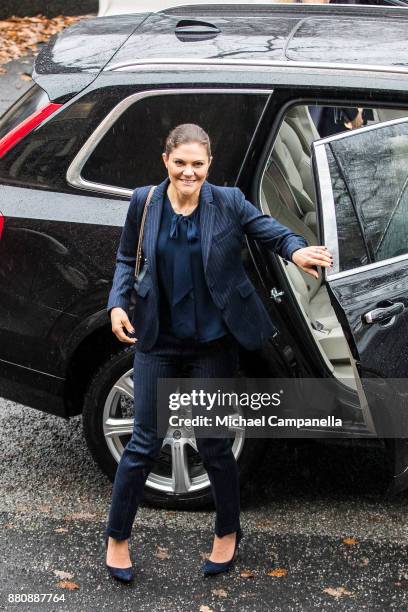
187, 166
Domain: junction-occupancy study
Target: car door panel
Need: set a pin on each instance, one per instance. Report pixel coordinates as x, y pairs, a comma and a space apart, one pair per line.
361, 180
360, 294
57, 255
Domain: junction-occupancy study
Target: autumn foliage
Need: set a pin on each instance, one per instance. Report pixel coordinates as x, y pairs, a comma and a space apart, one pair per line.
22, 35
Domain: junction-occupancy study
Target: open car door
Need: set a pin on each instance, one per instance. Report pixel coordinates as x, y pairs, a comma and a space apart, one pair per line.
361, 180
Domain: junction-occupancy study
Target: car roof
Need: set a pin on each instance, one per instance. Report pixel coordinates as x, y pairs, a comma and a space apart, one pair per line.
120, 7
296, 34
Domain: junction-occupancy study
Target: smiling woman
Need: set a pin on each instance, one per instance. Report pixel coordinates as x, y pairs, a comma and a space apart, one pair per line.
187, 158
194, 307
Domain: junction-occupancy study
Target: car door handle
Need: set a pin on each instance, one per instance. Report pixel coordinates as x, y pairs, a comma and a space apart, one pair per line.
382, 314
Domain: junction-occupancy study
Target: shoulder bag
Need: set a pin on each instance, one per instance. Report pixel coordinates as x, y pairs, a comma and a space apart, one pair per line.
139, 273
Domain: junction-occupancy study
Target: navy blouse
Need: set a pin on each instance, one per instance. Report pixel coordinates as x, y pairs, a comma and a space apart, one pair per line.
186, 307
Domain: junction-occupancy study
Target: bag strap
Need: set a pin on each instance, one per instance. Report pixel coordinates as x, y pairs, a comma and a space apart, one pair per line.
141, 231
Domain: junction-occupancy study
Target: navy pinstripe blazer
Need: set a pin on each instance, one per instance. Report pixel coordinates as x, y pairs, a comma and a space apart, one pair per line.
225, 216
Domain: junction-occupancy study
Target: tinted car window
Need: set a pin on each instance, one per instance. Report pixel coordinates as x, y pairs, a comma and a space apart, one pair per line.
352, 249
130, 152
373, 165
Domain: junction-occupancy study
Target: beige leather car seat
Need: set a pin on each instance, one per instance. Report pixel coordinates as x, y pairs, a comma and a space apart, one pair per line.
301, 121
294, 163
282, 201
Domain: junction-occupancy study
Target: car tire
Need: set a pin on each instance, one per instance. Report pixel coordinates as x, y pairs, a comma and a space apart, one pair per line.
108, 422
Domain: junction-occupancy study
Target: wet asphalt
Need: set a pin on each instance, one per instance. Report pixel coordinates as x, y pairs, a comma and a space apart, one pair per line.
319, 533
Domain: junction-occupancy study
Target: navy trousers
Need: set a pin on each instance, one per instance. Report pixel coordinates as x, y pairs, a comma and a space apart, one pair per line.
174, 358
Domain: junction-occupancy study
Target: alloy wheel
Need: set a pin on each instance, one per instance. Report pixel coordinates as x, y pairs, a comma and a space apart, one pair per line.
179, 468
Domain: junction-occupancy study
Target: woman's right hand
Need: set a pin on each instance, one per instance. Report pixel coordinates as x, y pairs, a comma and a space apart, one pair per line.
120, 320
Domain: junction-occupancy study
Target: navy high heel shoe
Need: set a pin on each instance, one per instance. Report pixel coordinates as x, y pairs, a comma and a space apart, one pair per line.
210, 567
124, 574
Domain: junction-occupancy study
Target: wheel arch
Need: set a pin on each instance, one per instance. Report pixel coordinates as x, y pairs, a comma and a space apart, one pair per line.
85, 359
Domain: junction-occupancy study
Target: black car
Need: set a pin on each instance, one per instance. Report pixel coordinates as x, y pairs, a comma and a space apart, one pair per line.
258, 79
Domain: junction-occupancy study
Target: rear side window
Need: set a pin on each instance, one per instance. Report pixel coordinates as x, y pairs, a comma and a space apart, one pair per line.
129, 153
25, 106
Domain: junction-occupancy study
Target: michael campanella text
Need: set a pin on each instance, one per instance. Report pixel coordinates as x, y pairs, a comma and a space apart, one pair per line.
237, 420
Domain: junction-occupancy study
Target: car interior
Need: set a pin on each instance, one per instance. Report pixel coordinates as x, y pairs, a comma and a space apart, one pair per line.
287, 194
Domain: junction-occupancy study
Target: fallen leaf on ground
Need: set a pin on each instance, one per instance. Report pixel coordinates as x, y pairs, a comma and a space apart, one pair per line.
61, 574
278, 572
8, 525
162, 553
205, 609
43, 508
247, 574
338, 592
264, 524
25, 77
204, 556
350, 541
220, 592
66, 584
61, 530
79, 516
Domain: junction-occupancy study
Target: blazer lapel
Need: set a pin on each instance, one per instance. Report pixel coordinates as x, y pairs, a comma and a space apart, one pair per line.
152, 228
207, 216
